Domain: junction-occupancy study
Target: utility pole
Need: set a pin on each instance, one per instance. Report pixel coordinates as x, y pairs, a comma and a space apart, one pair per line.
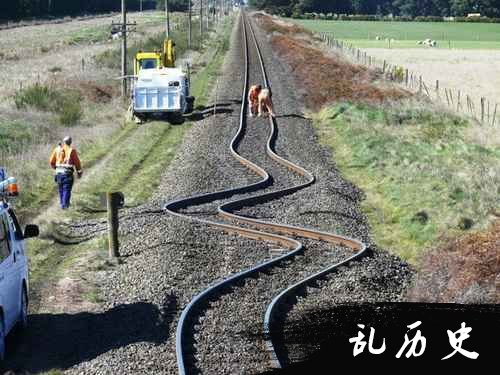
167, 14
208, 15
189, 25
124, 49
201, 22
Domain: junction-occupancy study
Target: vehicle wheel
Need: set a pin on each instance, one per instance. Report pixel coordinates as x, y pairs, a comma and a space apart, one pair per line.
175, 118
23, 318
190, 104
2, 339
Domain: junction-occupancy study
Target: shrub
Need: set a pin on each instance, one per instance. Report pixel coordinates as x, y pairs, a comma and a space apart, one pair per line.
65, 103
36, 96
70, 111
399, 73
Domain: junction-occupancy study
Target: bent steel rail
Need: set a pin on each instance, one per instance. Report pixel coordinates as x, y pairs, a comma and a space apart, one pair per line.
278, 237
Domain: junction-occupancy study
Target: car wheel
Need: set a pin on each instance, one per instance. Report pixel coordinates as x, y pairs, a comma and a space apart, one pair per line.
2, 339
23, 318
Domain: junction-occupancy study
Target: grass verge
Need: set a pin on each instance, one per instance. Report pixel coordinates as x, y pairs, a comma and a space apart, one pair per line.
422, 176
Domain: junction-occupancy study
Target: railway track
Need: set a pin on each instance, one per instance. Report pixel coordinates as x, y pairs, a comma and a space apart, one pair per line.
223, 214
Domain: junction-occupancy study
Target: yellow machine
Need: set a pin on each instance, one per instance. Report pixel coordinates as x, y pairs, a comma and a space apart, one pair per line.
156, 60
159, 88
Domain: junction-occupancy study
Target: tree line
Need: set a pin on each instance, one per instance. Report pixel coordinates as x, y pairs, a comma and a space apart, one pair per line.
22, 9
409, 8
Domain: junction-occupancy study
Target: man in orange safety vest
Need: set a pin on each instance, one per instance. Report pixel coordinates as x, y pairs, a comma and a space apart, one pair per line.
64, 159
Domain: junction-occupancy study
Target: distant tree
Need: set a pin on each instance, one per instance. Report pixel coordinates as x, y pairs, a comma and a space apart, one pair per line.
174, 5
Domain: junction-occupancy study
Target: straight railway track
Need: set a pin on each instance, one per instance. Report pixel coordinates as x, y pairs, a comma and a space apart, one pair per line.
281, 179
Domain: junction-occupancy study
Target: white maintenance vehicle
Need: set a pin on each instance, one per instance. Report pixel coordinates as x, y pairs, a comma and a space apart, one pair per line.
13, 263
160, 88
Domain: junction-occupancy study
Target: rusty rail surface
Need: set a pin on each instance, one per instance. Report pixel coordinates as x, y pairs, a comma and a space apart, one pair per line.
265, 231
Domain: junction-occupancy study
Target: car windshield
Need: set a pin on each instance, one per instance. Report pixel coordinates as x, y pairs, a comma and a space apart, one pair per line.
148, 64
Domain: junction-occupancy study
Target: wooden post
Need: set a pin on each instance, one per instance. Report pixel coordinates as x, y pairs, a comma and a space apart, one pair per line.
406, 77
494, 115
112, 207
482, 110
383, 68
420, 85
447, 98
488, 111
426, 90
458, 101
83, 64
473, 107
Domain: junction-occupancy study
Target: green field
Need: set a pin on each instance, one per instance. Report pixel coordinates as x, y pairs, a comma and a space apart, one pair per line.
406, 34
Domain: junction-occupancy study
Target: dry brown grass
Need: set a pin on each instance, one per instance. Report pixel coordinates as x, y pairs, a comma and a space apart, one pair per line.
464, 270
93, 91
325, 78
328, 79
274, 25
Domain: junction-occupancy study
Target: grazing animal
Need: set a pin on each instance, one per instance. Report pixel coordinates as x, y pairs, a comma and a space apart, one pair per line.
116, 36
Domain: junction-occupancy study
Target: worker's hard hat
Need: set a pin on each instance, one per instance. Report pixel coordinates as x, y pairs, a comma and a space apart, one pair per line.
67, 140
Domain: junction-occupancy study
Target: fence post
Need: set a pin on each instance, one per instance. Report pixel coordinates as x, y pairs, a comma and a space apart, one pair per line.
420, 84
426, 90
114, 201
482, 110
494, 115
488, 111
383, 69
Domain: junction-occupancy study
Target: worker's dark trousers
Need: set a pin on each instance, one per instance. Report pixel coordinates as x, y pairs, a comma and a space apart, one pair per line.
65, 183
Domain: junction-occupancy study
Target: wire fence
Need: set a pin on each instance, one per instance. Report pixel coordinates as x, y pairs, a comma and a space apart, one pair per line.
479, 109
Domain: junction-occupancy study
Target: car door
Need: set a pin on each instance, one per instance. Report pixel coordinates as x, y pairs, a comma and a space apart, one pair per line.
9, 277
